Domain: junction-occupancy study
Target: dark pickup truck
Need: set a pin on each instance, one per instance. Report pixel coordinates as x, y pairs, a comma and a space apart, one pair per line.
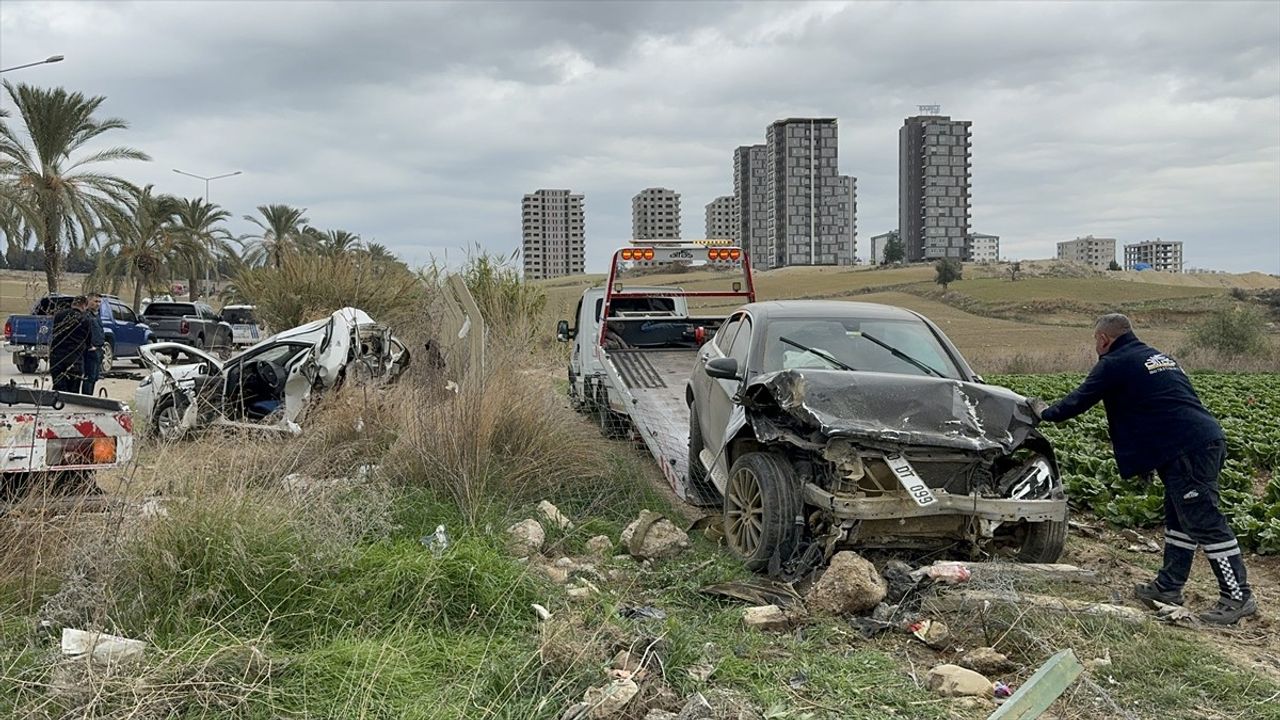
190, 323
28, 336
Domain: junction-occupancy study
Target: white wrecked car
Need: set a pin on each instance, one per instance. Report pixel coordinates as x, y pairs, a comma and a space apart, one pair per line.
269, 384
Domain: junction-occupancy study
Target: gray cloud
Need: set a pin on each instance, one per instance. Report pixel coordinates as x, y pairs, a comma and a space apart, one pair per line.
422, 124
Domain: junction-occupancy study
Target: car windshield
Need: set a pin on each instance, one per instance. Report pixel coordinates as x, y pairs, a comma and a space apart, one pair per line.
238, 316
163, 310
849, 340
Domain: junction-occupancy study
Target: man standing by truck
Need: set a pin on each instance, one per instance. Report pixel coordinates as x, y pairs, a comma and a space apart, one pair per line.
93, 353
71, 336
1158, 424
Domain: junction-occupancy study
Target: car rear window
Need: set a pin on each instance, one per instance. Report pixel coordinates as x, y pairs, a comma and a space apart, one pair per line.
238, 316
52, 305
163, 310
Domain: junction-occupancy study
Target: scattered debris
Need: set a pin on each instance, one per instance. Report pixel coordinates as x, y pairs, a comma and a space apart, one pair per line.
987, 661
954, 681
797, 681
697, 707
554, 516
1001, 690
600, 546
870, 627
641, 613
1041, 689
1140, 542
1095, 663
542, 613
652, 536
1087, 530
437, 542
944, 571
849, 585
580, 593
756, 591
898, 576
525, 538
966, 598
609, 700
933, 633
102, 648
152, 509
1174, 614
766, 617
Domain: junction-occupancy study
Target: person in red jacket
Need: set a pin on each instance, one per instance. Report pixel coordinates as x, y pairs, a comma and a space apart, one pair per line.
1158, 423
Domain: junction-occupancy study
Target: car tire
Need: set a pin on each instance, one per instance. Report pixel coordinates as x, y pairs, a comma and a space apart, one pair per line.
27, 364
613, 425
108, 358
763, 510
702, 491
1043, 542
200, 342
164, 421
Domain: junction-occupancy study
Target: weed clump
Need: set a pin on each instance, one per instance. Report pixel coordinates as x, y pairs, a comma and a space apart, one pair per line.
1236, 331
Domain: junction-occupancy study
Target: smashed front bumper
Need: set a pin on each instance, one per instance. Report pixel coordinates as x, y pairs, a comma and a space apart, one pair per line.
899, 507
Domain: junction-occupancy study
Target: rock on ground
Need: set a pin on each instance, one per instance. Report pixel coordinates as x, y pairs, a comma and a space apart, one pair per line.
987, 661
554, 516
659, 537
608, 701
600, 546
766, 617
955, 681
525, 538
849, 585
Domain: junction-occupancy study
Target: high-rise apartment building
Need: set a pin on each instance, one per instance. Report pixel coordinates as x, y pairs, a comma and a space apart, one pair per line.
1159, 254
808, 210
1097, 253
984, 248
849, 209
655, 214
750, 202
554, 234
933, 185
720, 218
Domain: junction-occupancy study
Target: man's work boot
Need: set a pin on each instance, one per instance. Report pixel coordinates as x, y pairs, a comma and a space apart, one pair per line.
1149, 594
1229, 612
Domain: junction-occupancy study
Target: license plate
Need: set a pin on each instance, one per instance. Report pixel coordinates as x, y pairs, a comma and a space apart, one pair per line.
911, 482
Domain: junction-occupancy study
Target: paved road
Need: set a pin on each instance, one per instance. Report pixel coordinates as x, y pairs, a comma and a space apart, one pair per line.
116, 389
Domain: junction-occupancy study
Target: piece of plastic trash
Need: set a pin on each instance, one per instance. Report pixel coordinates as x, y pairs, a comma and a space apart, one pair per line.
947, 573
102, 648
437, 542
542, 613
1001, 690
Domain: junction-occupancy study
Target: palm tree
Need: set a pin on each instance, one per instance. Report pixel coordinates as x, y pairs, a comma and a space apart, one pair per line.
201, 222
145, 241
61, 201
378, 253
333, 242
282, 232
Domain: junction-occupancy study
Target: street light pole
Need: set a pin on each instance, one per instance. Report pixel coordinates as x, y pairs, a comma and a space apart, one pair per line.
207, 180
50, 59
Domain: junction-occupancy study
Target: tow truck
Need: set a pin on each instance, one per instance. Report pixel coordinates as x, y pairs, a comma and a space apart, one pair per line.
634, 348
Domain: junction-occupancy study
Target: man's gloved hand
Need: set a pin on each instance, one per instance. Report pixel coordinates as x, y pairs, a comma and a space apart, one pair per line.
1037, 407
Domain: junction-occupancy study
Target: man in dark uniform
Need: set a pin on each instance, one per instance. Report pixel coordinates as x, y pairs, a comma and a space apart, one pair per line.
1157, 423
93, 353
71, 335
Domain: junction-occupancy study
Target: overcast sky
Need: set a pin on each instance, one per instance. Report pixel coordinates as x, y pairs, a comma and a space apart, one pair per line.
420, 125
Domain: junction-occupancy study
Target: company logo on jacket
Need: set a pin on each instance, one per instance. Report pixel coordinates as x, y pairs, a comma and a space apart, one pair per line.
1159, 363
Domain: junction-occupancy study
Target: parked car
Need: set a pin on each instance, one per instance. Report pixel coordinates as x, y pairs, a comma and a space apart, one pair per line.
826, 424
28, 336
191, 323
245, 328
269, 385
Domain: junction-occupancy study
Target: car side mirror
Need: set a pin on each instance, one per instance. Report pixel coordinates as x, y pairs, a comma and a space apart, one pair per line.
563, 333
723, 368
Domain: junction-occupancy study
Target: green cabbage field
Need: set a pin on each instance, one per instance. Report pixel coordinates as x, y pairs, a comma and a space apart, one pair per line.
1247, 405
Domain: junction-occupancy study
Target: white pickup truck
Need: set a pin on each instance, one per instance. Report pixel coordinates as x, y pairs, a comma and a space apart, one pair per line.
634, 348
63, 437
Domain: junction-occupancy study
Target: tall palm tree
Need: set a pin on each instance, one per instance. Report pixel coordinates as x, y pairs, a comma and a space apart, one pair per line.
281, 231
62, 201
201, 223
144, 242
333, 242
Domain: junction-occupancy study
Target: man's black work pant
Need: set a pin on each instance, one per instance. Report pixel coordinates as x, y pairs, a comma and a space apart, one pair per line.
1192, 520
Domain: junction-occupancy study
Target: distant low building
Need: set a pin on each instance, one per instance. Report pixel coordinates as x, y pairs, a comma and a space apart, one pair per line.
1162, 255
984, 248
878, 243
1097, 253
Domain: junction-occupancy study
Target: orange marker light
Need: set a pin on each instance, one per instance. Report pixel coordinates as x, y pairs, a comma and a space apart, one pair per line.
648, 253
735, 253
626, 253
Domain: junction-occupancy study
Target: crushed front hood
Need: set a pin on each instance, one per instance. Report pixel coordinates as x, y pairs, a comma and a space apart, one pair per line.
891, 411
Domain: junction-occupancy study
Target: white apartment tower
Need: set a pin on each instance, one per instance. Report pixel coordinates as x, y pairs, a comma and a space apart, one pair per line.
655, 214
984, 248
553, 223
720, 218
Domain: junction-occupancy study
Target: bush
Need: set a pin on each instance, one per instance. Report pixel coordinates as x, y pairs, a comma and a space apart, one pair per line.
309, 287
948, 271
1241, 330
